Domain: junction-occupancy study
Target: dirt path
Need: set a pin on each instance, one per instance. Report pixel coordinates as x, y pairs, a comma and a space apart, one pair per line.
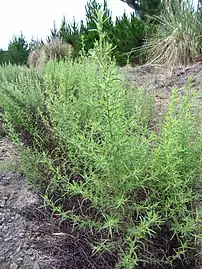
15, 251
18, 234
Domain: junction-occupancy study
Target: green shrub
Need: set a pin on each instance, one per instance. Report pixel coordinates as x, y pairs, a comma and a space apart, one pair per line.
139, 183
4, 57
129, 33
136, 183
22, 98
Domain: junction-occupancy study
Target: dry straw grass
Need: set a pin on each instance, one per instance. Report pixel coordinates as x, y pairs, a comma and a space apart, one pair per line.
177, 38
56, 49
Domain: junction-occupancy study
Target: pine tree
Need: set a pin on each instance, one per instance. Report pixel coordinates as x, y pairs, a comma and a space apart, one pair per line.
145, 7
18, 50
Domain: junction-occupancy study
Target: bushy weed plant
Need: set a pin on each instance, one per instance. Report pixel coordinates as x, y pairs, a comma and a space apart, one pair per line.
136, 181
132, 186
22, 94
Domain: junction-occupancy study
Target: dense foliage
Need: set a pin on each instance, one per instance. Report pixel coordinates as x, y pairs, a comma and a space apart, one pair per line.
145, 7
18, 51
156, 22
125, 33
90, 140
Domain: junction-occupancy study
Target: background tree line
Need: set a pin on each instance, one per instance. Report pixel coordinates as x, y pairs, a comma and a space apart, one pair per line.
126, 33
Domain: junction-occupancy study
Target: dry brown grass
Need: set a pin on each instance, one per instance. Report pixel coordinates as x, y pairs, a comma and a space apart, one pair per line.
56, 49
177, 39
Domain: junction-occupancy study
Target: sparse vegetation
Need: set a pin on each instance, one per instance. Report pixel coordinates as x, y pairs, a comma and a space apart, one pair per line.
90, 140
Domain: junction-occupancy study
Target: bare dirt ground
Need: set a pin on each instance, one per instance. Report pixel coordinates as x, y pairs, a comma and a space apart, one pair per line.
161, 80
29, 237
17, 233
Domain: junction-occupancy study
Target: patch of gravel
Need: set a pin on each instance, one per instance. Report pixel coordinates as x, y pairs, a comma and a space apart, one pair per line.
16, 232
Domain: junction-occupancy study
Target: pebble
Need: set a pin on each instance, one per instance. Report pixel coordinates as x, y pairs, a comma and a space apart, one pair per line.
2, 259
21, 235
18, 249
25, 246
33, 258
19, 261
36, 265
14, 266
29, 252
8, 238
2, 203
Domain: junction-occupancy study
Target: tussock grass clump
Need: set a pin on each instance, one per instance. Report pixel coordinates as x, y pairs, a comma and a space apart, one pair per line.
55, 49
34, 58
134, 188
177, 39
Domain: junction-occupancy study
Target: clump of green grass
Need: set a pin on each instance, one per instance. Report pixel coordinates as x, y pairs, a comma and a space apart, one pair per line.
177, 38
